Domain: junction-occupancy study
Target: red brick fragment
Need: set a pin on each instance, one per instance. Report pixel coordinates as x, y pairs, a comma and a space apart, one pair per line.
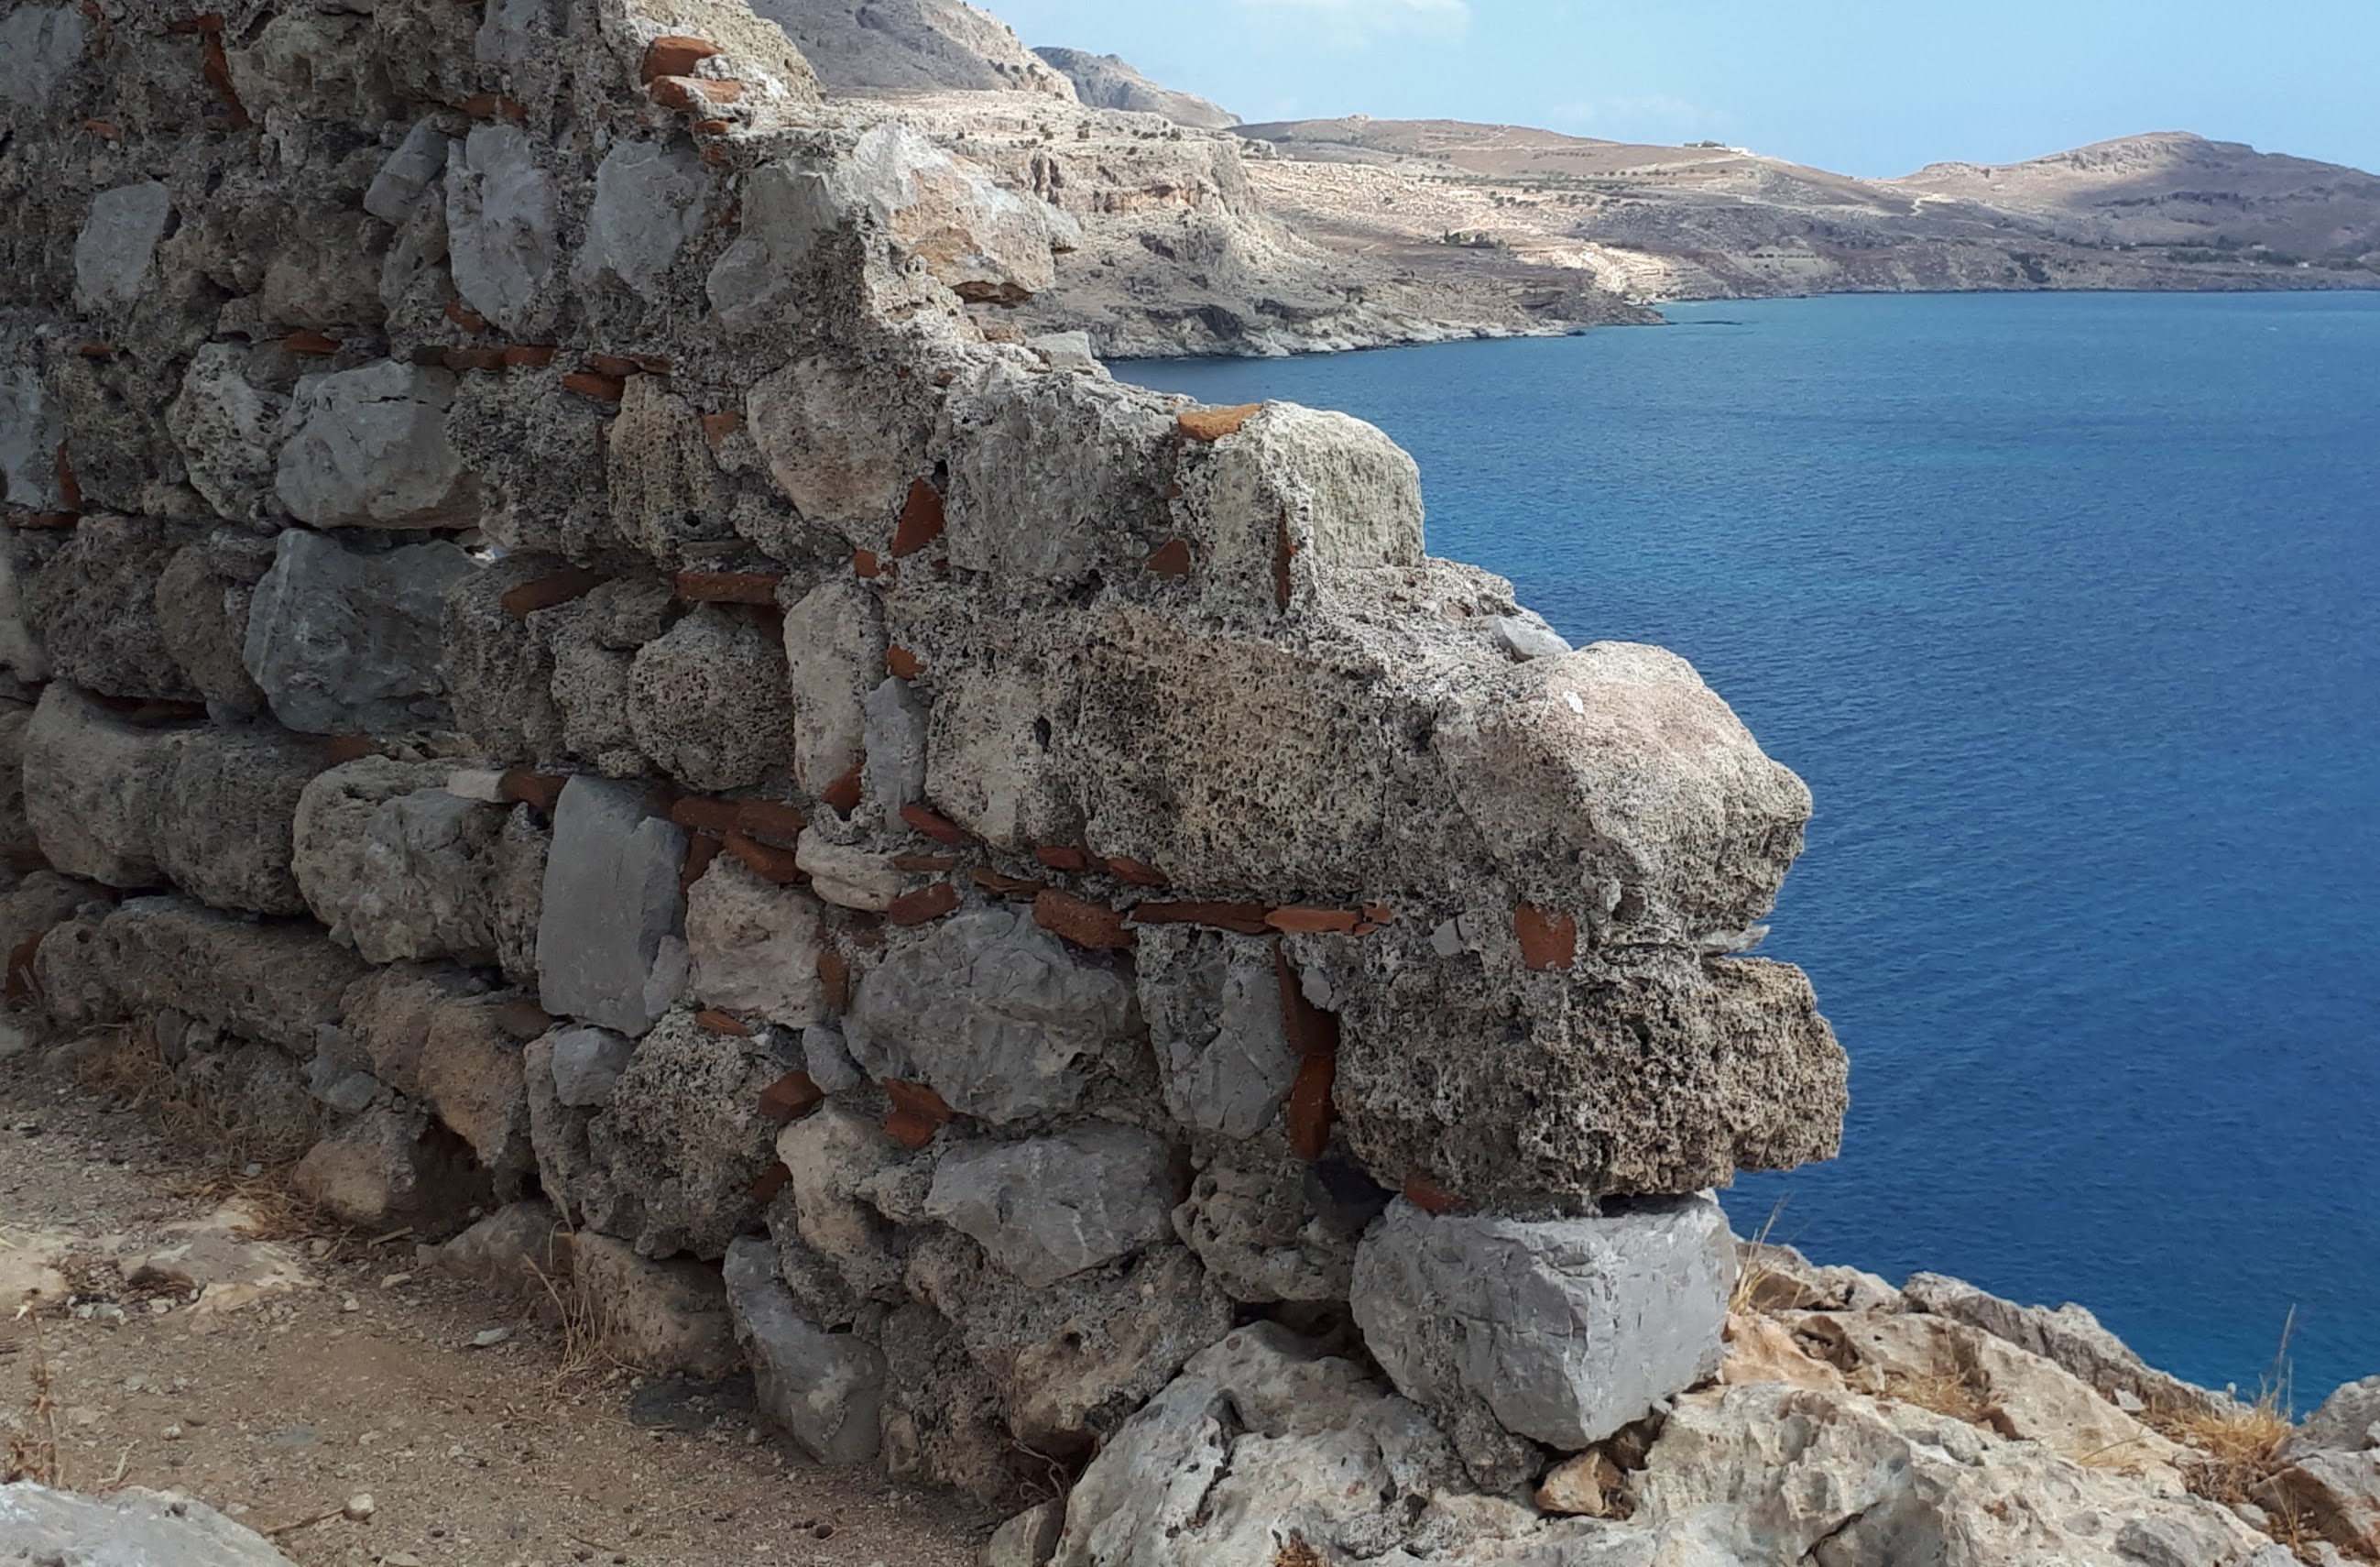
728, 587
714, 155
96, 351
1008, 886
601, 388
1284, 551
1313, 921
522, 1019
768, 863
835, 977
306, 340
701, 850
909, 1129
935, 827
717, 428
44, 519
844, 792
774, 1179
674, 55
1135, 873
24, 858
540, 789
341, 748
106, 130
1213, 424
20, 985
69, 488
768, 819
462, 359
1057, 856
623, 366
918, 1098
214, 67
529, 356
693, 810
1081, 921
902, 663
544, 592
1170, 559
494, 106
924, 906
724, 1022
921, 519
1248, 919
464, 316
791, 1097
864, 563
1549, 941
1309, 1031
1380, 913
1429, 1196
1310, 1110
688, 93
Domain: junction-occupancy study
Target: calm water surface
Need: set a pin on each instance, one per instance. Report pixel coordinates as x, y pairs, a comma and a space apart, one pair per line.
2067, 608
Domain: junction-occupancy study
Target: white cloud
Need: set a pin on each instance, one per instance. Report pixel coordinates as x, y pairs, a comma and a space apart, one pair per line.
1357, 23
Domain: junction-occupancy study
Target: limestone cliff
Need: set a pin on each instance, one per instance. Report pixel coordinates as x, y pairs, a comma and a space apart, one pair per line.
1104, 81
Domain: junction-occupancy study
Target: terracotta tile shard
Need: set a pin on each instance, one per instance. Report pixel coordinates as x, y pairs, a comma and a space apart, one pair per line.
540, 789
724, 1022
909, 1129
1310, 1031
522, 1019
341, 748
674, 55
25, 858
693, 92
1283, 585
1133, 872
714, 155
464, 316
20, 985
791, 1097
921, 1099
1380, 913
1008, 886
308, 341
774, 1179
602, 388
106, 130
926, 865
1310, 1111
491, 106
214, 65
864, 563
1548, 941
1079, 920
1170, 559
1429, 1196
1059, 858
769, 864
529, 356
767, 818
701, 850
1314, 921
835, 977
96, 351
625, 365
935, 827
545, 592
69, 488
1247, 919
924, 906
1213, 424
461, 359
717, 428
921, 519
844, 792
728, 587
693, 810
44, 519
903, 664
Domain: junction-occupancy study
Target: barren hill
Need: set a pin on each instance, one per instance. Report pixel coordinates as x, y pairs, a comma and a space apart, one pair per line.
1104, 81
911, 46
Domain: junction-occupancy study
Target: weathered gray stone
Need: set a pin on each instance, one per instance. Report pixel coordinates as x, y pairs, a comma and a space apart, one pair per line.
650, 201
754, 946
708, 702
277, 982
1027, 1540
668, 1318
1252, 1218
586, 1065
228, 431
233, 797
2333, 1494
496, 668
1214, 1009
834, 645
824, 1389
118, 242
92, 785
787, 209
827, 1060
37, 906
432, 1035
515, 1250
830, 1157
677, 1151
38, 45
2347, 1421
367, 448
1051, 1207
844, 875
2070, 1336
31, 424
1565, 1330
396, 866
94, 603
1051, 473
501, 224
1004, 1020
202, 600
841, 471
341, 642
611, 946
1528, 637
408, 174
944, 1420
130, 1526
666, 496
394, 1166
895, 775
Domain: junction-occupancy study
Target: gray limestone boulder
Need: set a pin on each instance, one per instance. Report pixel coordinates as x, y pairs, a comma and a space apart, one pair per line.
31, 423
233, 797
93, 786
278, 981
1002, 1019
342, 642
611, 942
2347, 1421
119, 241
587, 1064
895, 746
1052, 1206
2072, 1337
367, 448
397, 866
753, 947
650, 202
824, 1390
1565, 1330
407, 174
38, 45
128, 1528
501, 225
202, 600
94, 604
1213, 1002
708, 702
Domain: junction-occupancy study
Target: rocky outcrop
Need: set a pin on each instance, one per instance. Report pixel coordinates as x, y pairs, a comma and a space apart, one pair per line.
39, 1525
1104, 81
912, 46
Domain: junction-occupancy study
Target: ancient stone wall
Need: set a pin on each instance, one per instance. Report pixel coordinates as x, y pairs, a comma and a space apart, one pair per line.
553, 649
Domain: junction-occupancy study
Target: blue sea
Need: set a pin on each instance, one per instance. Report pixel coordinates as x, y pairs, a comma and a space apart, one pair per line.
2067, 608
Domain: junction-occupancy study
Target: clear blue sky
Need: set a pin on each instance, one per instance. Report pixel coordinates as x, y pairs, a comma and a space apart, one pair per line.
1861, 86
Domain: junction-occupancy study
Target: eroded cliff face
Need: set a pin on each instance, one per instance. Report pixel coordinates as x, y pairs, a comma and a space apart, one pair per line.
542, 628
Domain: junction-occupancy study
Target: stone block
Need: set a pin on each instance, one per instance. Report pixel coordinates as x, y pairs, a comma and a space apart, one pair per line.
1051, 1207
367, 448
827, 1060
38, 45
895, 746
611, 944
677, 1154
753, 946
501, 225
391, 1166
708, 702
1564, 1330
343, 643
844, 441
119, 241
1005, 1021
230, 800
1272, 1227
830, 1158
666, 496
497, 671
667, 1317
228, 431
432, 1035
586, 1065
824, 1390
1213, 1004
277, 982
650, 201
990, 752
132, 1525
203, 598
94, 604
398, 867
834, 647
986, 243
407, 174
845, 875
92, 786
514, 1250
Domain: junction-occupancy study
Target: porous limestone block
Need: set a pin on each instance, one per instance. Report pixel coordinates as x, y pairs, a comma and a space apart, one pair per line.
342, 642
432, 1035
407, 174
228, 431
501, 225
497, 670
592, 642
134, 1524
708, 702
650, 201
393, 1166
1051, 1207
989, 753
367, 448
664, 492
844, 443
788, 207
669, 1317
31, 424
38, 45
1052, 475
119, 241
276, 982
1002, 1019
1271, 1227
989, 245
230, 800
846, 875
586, 1065
753, 947
611, 944
398, 867
1565, 1330
675, 1154
203, 598
834, 649
824, 1390
831, 1156
1213, 1004
93, 787
94, 604
896, 728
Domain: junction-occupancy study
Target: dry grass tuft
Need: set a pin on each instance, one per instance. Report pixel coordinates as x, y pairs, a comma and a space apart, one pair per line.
276, 1211
1749, 1279
33, 1452
582, 1316
1294, 1552
1960, 1394
124, 1064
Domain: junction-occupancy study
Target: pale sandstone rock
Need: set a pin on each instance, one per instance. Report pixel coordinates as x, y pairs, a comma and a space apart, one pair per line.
989, 245
1761, 1349
518, 1250
202, 600
834, 647
754, 946
92, 785
842, 469
830, 1155
433, 1035
1275, 1228
392, 1167
844, 875
667, 1318
665, 494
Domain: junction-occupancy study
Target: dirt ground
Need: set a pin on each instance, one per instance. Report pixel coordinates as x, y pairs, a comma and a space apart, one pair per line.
320, 1368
